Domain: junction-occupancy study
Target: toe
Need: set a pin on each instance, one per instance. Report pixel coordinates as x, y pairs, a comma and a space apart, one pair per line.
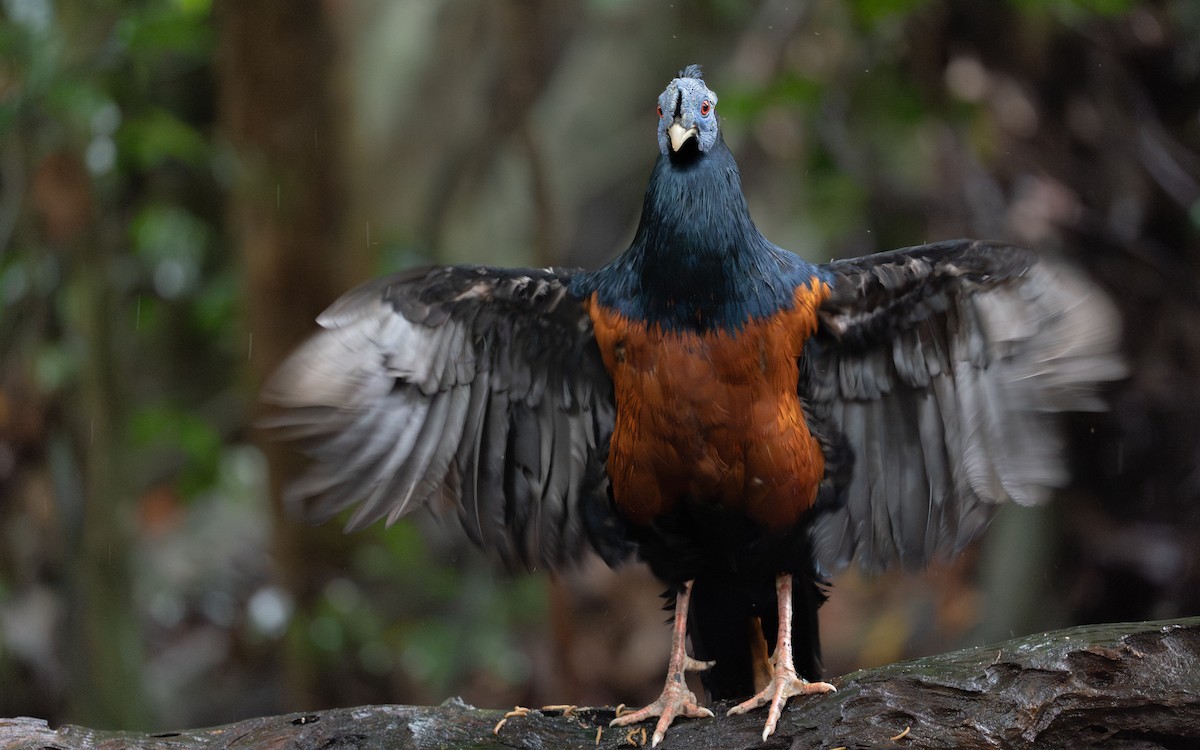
749, 705
816, 688
632, 717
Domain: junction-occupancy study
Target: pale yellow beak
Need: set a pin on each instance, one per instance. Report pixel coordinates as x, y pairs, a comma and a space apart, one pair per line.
679, 135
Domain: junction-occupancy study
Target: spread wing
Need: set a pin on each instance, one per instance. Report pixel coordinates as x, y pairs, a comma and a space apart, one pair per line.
941, 368
470, 387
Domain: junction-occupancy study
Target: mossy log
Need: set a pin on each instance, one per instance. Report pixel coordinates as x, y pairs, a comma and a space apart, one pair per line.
1111, 686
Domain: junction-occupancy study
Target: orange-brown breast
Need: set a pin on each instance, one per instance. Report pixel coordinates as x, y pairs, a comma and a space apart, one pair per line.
713, 417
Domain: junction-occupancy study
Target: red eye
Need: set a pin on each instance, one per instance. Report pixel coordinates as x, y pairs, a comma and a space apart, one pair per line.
660, 111
705, 108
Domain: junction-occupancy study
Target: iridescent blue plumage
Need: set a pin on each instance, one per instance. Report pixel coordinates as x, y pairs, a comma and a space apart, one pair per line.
697, 261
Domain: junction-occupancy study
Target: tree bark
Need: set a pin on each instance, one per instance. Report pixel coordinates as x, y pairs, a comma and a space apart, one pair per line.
1127, 686
280, 111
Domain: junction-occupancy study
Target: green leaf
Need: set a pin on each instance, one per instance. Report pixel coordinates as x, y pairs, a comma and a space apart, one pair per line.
162, 427
54, 366
185, 31
872, 12
171, 242
155, 137
785, 90
215, 307
1075, 12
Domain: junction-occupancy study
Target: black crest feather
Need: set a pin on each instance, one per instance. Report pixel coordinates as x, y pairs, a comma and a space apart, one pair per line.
691, 71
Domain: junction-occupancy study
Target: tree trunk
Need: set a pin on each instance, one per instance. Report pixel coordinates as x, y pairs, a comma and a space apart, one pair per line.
1127, 686
105, 645
279, 110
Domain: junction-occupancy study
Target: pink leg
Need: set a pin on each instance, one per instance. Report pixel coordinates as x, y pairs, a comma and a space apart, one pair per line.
785, 682
676, 698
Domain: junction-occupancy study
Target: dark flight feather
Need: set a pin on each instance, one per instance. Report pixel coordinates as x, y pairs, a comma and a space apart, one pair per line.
477, 386
943, 366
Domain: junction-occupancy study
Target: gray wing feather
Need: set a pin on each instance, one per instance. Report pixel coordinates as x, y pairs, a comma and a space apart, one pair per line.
472, 387
943, 367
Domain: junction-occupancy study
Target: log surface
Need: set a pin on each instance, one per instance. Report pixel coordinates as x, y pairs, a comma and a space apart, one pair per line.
1111, 686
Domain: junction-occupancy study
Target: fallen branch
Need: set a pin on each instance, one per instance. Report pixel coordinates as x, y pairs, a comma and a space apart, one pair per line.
1134, 685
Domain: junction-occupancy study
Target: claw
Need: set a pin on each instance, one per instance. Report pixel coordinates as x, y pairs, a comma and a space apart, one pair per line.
785, 682
676, 700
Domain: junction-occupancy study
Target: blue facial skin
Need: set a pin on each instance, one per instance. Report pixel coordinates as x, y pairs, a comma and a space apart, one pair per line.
691, 104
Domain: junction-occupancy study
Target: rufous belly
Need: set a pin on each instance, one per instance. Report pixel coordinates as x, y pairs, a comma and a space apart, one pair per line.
712, 417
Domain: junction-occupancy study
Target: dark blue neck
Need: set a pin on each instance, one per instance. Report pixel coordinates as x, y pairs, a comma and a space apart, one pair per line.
697, 262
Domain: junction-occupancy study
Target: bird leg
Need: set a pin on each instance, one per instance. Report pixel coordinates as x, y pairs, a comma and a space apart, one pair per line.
676, 698
785, 682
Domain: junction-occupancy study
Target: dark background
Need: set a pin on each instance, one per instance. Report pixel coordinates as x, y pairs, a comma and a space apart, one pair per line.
185, 184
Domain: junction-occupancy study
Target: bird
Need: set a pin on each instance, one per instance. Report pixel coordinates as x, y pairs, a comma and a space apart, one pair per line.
741, 420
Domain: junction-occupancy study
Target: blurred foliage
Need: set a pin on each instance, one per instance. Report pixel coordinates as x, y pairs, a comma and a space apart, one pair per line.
137, 543
119, 325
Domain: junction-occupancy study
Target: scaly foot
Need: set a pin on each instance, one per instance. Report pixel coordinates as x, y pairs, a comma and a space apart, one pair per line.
676, 698
784, 684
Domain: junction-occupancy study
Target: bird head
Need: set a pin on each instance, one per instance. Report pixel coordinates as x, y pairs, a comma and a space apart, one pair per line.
687, 114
